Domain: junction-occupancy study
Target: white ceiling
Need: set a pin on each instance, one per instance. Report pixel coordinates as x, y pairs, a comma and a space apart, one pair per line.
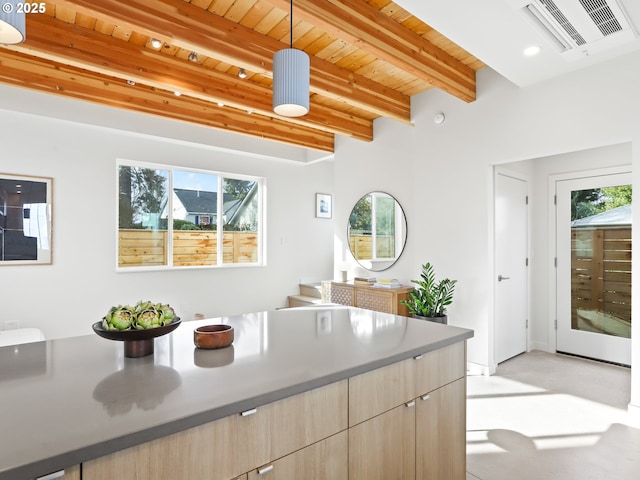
498, 31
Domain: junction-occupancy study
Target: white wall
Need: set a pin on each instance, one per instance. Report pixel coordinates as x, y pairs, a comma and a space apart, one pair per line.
442, 175
65, 298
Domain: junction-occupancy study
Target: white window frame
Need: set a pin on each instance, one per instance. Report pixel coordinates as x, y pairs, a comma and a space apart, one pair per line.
261, 230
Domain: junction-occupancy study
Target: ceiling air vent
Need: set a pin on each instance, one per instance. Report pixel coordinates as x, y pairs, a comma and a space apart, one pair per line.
582, 27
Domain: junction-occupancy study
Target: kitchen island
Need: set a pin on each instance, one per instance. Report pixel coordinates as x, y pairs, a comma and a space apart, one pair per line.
297, 386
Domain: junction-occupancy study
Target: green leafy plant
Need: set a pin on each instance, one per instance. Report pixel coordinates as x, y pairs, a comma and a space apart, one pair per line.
430, 297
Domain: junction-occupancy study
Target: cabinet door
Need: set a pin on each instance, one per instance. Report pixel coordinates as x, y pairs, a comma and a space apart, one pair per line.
383, 448
324, 460
377, 300
217, 450
441, 433
437, 368
342, 294
378, 391
308, 417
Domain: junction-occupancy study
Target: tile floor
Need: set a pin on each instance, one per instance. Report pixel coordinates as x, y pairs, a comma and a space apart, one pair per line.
548, 416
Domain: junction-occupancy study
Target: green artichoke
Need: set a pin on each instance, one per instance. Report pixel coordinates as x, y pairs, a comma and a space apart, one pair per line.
142, 315
167, 312
148, 318
119, 318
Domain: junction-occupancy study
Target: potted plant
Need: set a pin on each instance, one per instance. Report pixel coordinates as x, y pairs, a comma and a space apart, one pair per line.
430, 298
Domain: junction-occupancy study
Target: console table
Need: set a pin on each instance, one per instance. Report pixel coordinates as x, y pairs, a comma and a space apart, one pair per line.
380, 299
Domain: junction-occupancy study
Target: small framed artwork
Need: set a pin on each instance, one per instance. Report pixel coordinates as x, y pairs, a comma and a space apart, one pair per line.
25, 220
323, 205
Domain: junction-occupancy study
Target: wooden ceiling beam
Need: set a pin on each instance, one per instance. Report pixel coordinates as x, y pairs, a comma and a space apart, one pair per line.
39, 74
366, 27
193, 28
66, 43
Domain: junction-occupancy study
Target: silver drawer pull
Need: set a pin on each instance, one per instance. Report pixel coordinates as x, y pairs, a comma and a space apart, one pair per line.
417, 357
425, 397
246, 413
263, 470
51, 476
410, 404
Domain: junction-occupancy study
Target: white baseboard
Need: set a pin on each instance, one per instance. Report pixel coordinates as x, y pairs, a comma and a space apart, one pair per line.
634, 415
543, 347
477, 369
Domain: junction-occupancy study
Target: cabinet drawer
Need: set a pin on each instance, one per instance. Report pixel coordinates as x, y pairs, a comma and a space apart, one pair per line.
70, 473
318, 414
440, 367
380, 390
217, 450
324, 460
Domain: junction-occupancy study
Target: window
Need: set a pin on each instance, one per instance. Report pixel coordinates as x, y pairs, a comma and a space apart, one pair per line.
171, 217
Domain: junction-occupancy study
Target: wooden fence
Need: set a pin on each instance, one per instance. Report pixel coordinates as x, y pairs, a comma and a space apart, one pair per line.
190, 247
601, 277
362, 246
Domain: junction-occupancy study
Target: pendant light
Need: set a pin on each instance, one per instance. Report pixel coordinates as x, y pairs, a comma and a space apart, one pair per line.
291, 79
12, 22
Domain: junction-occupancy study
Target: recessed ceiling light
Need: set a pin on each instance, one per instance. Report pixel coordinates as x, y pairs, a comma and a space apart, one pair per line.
155, 43
131, 82
177, 93
242, 73
531, 51
220, 104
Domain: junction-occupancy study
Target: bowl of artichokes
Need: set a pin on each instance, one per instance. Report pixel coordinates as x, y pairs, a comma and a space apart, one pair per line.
137, 326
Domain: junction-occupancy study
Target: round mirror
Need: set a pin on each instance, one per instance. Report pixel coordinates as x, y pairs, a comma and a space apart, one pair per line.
377, 231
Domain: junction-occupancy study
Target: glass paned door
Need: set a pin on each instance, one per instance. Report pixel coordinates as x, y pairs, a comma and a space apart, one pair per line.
594, 267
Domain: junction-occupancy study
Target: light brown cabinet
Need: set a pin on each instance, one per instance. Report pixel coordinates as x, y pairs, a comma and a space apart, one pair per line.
324, 460
384, 447
427, 397
233, 445
441, 422
379, 299
406, 420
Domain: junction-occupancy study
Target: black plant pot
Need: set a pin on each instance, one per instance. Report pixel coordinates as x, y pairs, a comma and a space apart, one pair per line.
441, 319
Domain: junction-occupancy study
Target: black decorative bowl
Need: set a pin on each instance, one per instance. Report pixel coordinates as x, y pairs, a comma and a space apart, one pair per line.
137, 343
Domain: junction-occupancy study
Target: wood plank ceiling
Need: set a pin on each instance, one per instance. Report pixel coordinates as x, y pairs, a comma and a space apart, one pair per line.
368, 57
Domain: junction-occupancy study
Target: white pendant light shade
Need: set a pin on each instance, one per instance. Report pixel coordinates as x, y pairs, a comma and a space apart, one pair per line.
291, 82
12, 23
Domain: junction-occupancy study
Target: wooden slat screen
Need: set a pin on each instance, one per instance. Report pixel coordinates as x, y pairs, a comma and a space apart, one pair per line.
601, 271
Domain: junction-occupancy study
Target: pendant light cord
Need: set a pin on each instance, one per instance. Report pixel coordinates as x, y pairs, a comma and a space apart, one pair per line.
291, 24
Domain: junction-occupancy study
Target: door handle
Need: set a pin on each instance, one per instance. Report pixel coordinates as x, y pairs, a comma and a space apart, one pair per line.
501, 278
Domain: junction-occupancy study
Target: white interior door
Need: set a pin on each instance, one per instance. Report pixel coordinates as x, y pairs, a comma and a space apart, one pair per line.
593, 272
511, 245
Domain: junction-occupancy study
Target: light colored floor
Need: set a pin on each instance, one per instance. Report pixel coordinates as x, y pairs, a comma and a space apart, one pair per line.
547, 416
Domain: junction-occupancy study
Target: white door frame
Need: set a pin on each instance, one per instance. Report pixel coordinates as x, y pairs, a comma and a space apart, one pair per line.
553, 287
525, 178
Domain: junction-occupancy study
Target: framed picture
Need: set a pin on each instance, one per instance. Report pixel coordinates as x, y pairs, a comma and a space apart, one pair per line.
323, 205
25, 220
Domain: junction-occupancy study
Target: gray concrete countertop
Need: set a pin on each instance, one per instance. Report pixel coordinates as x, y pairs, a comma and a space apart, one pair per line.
70, 400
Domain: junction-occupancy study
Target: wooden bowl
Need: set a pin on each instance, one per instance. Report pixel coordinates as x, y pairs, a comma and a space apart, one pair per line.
213, 336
